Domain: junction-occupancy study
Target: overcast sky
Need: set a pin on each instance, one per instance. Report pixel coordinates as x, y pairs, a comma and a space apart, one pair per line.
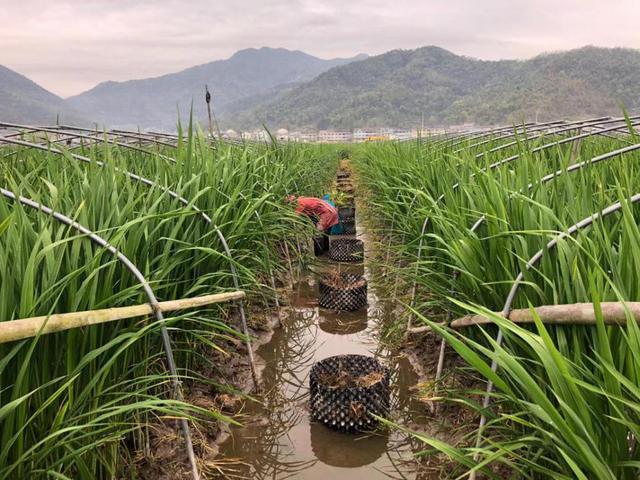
69, 46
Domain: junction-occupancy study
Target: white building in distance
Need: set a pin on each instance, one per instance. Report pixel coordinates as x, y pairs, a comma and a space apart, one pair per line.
365, 134
400, 134
331, 136
308, 137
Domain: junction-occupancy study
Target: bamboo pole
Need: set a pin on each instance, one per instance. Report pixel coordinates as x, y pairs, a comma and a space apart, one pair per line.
30, 327
613, 313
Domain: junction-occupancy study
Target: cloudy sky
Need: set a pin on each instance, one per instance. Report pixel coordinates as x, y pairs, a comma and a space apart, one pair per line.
68, 46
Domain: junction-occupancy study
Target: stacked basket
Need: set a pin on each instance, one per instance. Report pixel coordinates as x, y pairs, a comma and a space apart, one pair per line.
349, 405
348, 250
348, 293
347, 218
348, 392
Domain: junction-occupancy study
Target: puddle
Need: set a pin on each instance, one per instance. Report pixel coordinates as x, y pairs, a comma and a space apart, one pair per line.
279, 440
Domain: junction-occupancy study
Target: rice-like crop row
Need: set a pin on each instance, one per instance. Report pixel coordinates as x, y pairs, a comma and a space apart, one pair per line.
79, 404
458, 220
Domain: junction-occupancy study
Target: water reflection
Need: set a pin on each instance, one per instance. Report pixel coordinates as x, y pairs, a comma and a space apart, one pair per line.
343, 323
337, 449
278, 440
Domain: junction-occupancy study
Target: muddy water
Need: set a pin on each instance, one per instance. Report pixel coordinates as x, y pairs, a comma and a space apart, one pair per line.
279, 440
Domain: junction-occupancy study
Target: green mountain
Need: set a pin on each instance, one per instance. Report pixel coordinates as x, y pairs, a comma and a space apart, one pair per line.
399, 87
154, 102
23, 101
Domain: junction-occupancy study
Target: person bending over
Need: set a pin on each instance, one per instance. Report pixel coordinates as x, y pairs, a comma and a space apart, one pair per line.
321, 213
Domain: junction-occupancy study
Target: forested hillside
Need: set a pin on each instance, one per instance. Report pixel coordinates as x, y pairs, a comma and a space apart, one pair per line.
155, 102
399, 87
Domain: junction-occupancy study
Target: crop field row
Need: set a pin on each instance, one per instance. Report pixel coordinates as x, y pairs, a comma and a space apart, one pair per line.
494, 223
82, 403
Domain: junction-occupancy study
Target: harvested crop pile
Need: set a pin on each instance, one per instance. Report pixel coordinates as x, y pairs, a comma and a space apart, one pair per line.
344, 280
343, 379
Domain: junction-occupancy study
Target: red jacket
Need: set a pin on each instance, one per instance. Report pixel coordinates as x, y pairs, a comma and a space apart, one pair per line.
314, 207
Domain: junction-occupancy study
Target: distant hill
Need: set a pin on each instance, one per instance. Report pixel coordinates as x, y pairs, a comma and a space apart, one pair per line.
23, 101
257, 74
283, 88
398, 87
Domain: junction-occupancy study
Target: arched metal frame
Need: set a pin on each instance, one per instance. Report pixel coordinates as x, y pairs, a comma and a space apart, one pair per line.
506, 309
124, 133
550, 245
545, 179
184, 201
549, 145
554, 132
519, 130
476, 134
493, 166
514, 132
542, 129
558, 143
473, 136
152, 136
70, 135
129, 265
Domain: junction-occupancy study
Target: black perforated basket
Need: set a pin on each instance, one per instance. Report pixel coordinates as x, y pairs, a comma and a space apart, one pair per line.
320, 244
348, 250
346, 212
349, 297
348, 228
350, 408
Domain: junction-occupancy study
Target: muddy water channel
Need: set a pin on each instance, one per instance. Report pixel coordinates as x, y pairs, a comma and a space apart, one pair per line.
278, 439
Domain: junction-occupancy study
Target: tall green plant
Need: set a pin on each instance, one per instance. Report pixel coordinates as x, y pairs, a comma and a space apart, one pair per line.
69, 400
566, 395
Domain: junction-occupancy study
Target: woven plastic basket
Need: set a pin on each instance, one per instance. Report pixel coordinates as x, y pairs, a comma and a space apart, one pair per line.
349, 296
320, 244
346, 212
348, 250
348, 228
349, 408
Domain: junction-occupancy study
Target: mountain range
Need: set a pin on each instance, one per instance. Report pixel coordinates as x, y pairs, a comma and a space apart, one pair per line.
24, 101
236, 83
403, 87
400, 88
